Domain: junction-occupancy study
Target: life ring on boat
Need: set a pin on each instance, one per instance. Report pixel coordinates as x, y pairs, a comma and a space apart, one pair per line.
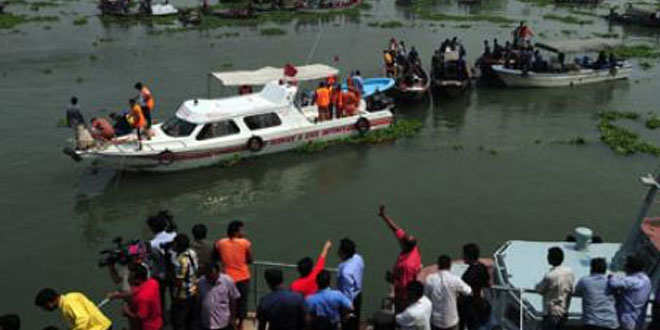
166, 157
362, 125
255, 144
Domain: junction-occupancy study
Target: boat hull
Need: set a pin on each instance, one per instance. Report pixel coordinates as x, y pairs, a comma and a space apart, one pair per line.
450, 88
173, 160
515, 78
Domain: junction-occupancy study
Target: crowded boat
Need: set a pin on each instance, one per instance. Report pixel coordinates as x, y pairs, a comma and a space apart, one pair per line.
635, 16
412, 81
450, 74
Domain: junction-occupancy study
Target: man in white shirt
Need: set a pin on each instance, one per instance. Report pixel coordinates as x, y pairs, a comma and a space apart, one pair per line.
556, 288
442, 288
418, 314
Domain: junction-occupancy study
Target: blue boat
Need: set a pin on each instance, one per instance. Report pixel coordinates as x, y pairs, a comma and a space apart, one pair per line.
373, 85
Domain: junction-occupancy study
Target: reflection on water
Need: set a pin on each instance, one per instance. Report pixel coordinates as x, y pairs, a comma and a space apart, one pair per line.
450, 112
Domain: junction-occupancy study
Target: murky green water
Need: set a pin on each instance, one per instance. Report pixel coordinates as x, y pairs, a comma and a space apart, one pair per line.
484, 168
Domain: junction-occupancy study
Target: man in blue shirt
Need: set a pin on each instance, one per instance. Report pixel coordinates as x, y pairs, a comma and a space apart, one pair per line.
327, 306
281, 309
598, 311
358, 81
632, 294
349, 280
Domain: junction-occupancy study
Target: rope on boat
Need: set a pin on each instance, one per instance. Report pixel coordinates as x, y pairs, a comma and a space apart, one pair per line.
316, 45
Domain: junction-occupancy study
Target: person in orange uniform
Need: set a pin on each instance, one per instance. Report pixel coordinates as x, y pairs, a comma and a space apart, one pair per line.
351, 102
136, 117
101, 129
146, 102
235, 253
335, 101
322, 100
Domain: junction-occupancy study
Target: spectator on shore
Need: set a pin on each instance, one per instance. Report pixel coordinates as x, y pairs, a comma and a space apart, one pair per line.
78, 311
164, 231
631, 293
10, 322
349, 280
185, 284
218, 297
474, 310
281, 309
598, 311
417, 315
443, 289
556, 288
144, 308
408, 263
202, 247
327, 307
235, 252
306, 283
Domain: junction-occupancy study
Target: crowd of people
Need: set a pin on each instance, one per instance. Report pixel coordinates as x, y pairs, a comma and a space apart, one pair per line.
403, 65
204, 284
448, 61
333, 101
137, 118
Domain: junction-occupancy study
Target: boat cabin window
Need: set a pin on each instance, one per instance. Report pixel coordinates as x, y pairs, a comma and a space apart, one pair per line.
218, 129
177, 127
262, 121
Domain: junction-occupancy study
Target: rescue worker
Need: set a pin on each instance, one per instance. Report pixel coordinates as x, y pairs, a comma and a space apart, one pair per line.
335, 101
136, 117
146, 102
101, 129
322, 100
390, 69
350, 102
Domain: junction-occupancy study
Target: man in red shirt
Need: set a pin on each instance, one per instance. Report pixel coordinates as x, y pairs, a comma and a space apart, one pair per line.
145, 302
306, 283
408, 264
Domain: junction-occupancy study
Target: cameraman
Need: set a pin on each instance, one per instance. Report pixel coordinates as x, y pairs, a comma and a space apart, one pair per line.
164, 230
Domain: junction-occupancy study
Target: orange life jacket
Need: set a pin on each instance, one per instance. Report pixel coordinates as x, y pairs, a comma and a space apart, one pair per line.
138, 117
323, 97
147, 98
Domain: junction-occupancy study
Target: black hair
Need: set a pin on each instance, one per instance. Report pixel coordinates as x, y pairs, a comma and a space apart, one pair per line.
181, 243
305, 266
357, 72
138, 85
140, 272
156, 224
323, 279
555, 256
273, 277
169, 220
10, 322
45, 296
471, 252
199, 231
131, 101
444, 262
598, 266
634, 264
597, 239
347, 247
234, 227
415, 290
409, 244
74, 100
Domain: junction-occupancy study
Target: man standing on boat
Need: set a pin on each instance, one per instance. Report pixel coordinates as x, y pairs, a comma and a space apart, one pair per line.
408, 264
322, 100
146, 101
556, 288
632, 294
474, 310
598, 311
443, 288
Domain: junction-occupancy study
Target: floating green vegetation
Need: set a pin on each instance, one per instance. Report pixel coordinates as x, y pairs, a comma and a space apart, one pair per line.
93, 57
646, 65
232, 161
9, 21
35, 6
568, 32
365, 6
227, 35
584, 13
399, 129
578, 140
47, 71
568, 19
463, 26
610, 35
79, 80
387, 24
226, 65
48, 27
641, 51
16, 2
653, 122
465, 18
621, 140
272, 32
80, 21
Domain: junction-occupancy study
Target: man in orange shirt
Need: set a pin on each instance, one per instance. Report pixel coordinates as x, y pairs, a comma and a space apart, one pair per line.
146, 102
235, 252
136, 118
306, 283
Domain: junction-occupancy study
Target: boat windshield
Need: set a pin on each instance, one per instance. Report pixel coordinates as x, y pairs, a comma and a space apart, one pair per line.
177, 127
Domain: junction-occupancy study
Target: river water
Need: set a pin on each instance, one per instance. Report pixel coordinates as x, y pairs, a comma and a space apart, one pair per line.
486, 167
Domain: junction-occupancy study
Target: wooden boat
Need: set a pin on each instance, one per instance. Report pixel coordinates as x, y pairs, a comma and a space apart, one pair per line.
413, 87
635, 16
331, 8
449, 75
120, 9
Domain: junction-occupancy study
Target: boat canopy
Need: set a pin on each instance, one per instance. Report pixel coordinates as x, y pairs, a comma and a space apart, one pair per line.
269, 73
273, 97
579, 45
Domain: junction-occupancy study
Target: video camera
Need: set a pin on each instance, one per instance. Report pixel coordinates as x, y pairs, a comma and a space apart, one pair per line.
122, 253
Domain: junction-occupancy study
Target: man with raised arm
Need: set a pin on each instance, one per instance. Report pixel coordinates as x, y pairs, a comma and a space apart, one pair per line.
408, 263
306, 283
